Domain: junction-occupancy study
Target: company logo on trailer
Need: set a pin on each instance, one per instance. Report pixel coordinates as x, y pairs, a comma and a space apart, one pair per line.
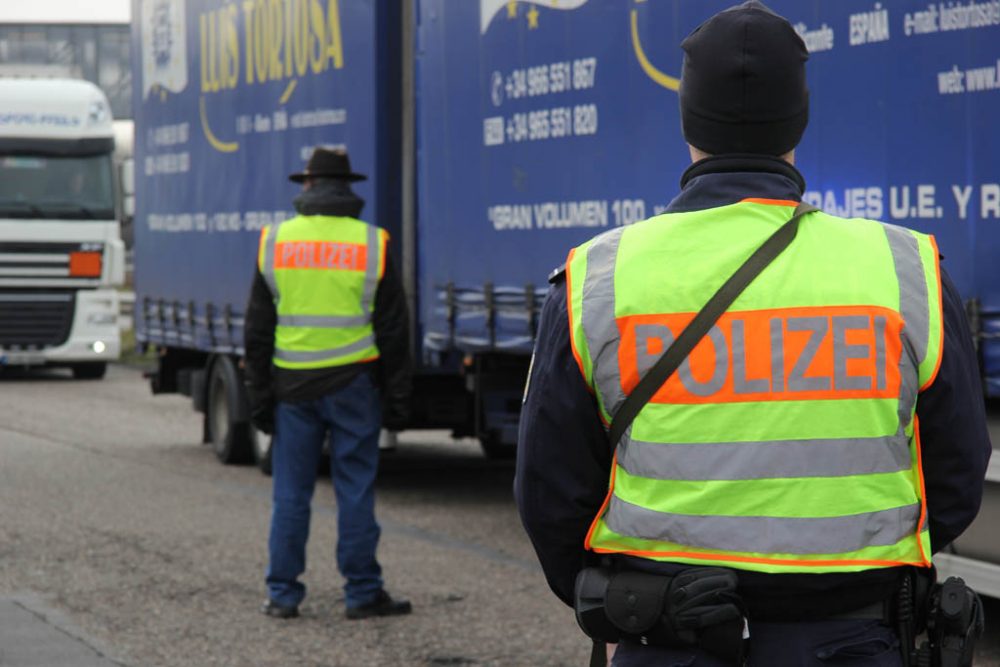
488, 9
164, 46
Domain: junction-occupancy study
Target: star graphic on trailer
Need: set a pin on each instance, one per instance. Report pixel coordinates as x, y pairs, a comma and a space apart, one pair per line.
532, 18
512, 9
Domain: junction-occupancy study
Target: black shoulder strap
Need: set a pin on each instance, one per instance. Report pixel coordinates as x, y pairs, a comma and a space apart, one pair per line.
703, 321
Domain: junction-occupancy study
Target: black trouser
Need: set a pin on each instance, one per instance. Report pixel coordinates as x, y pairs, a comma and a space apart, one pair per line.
847, 643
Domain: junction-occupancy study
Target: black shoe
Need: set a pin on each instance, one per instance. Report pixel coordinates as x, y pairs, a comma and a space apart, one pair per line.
272, 608
382, 605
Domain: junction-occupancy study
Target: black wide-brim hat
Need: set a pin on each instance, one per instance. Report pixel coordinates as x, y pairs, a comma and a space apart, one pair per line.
326, 163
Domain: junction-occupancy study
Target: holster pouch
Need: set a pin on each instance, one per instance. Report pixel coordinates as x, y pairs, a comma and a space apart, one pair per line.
955, 622
698, 607
590, 592
636, 604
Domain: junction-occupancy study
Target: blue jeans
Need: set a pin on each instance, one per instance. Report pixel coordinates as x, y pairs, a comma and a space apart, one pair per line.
352, 417
842, 643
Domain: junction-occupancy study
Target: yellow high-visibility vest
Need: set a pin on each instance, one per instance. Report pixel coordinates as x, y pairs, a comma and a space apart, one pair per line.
788, 440
323, 272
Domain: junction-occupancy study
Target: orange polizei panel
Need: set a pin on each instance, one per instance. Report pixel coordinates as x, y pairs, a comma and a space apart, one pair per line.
809, 353
323, 255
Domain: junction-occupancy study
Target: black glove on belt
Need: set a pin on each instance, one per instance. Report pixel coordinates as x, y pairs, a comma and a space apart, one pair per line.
698, 607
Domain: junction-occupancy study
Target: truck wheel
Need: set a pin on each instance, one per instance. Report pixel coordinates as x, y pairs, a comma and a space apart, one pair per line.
230, 435
261, 450
93, 370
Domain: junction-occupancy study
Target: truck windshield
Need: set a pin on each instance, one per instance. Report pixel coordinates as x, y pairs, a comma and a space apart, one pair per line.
64, 187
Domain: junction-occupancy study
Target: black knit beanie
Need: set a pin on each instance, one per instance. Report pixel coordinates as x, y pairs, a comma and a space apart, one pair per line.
743, 85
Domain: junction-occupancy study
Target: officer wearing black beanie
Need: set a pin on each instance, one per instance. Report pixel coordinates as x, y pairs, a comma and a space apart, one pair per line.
718, 488
743, 85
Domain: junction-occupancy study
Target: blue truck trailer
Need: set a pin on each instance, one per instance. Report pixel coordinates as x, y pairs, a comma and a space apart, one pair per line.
230, 99
500, 133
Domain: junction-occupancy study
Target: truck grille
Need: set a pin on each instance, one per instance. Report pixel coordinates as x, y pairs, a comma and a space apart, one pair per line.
31, 319
25, 263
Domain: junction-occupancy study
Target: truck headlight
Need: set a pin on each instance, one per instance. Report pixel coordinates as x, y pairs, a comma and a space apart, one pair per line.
98, 346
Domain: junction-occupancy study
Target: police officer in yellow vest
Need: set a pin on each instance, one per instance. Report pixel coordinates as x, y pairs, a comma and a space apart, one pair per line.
327, 358
822, 441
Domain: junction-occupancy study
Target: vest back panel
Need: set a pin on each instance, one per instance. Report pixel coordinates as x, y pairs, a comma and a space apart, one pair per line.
786, 441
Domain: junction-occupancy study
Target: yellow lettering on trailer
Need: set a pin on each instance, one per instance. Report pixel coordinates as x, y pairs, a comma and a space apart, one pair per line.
281, 41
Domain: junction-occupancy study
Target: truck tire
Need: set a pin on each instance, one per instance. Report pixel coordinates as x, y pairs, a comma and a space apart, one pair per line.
261, 450
93, 370
228, 427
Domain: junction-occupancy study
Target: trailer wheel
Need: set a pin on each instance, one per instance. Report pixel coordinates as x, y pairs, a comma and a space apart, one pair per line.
261, 450
230, 435
93, 370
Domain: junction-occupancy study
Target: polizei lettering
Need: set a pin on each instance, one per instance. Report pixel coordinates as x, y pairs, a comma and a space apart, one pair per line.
787, 354
320, 255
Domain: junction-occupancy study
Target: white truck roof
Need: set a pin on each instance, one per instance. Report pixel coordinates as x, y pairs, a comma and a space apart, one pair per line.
53, 109
71, 12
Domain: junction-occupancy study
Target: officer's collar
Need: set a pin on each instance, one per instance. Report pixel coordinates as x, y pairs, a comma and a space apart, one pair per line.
329, 197
726, 179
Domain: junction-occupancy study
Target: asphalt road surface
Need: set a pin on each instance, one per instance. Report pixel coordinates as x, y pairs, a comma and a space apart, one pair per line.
112, 514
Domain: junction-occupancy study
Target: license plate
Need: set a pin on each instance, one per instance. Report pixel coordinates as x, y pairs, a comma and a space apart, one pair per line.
21, 359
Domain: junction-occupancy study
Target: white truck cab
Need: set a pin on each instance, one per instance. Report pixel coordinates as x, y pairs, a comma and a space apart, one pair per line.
61, 253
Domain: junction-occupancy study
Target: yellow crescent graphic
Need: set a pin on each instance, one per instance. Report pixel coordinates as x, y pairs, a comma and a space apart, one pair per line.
221, 146
656, 75
288, 91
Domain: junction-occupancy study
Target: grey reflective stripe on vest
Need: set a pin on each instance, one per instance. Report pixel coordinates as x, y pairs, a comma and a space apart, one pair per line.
914, 306
371, 270
909, 387
323, 321
765, 460
269, 250
766, 534
324, 355
598, 318
913, 302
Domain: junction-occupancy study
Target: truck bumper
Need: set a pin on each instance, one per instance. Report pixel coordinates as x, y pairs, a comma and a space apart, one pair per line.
94, 335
